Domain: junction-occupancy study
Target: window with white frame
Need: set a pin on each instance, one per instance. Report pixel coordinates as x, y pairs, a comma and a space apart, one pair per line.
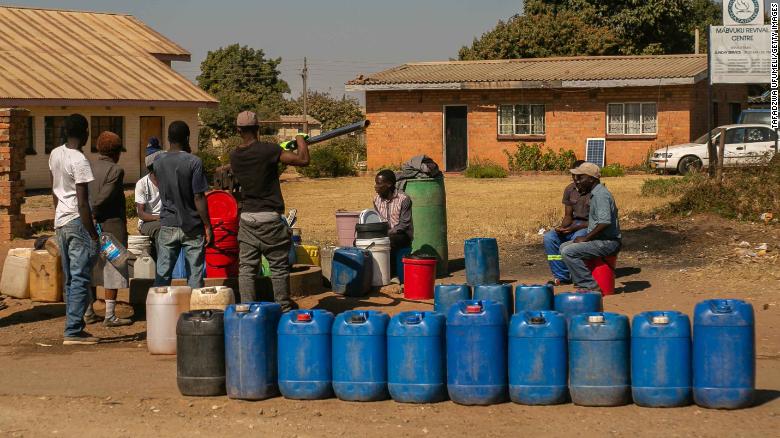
632, 118
522, 119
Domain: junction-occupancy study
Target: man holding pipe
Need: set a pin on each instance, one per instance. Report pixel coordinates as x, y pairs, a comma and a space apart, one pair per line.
262, 228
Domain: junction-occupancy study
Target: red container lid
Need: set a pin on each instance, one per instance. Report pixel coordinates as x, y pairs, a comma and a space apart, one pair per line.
304, 317
419, 260
474, 308
222, 206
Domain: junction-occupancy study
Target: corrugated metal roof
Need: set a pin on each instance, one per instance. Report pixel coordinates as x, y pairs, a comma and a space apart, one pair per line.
572, 69
65, 56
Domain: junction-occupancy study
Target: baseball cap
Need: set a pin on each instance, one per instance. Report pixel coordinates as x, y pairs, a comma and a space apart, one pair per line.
246, 118
586, 168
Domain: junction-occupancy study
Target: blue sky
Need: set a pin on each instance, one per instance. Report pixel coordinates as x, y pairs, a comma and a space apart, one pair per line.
341, 38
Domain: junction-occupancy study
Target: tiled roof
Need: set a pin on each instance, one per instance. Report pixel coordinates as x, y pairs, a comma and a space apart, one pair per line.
71, 57
544, 71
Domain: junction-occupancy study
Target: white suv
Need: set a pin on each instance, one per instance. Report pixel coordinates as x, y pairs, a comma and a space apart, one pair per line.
746, 145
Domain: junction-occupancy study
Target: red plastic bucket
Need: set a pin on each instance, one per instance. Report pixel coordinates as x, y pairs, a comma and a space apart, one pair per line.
419, 277
222, 206
603, 270
225, 234
221, 263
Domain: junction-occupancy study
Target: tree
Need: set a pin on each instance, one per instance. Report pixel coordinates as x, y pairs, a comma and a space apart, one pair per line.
242, 79
596, 27
331, 111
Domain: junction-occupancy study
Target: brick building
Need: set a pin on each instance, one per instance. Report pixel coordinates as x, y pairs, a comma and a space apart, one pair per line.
111, 68
464, 110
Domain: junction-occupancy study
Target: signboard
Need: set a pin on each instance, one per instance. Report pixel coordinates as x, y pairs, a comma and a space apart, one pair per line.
740, 54
743, 12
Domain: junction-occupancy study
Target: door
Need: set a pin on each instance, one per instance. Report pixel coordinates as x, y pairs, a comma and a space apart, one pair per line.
734, 155
455, 138
150, 127
759, 144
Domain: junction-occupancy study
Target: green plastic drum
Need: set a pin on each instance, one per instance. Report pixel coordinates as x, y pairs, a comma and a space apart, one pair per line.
429, 217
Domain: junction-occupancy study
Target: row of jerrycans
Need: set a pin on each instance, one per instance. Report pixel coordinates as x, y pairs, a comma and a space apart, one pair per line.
165, 304
475, 357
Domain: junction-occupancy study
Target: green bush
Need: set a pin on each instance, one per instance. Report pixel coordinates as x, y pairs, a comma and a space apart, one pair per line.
485, 169
535, 157
327, 161
130, 206
612, 170
210, 163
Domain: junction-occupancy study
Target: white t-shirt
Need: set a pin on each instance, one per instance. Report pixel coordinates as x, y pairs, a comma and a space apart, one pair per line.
148, 194
68, 168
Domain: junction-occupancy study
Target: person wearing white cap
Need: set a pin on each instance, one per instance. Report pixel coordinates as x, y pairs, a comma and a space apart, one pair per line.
262, 229
603, 238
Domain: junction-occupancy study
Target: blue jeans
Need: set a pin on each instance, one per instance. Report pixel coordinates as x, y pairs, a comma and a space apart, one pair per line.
79, 253
575, 254
552, 247
170, 242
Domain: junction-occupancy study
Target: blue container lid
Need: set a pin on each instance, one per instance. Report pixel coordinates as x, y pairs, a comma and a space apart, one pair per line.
417, 323
361, 323
310, 322
661, 324
477, 312
598, 326
478, 240
538, 324
723, 313
259, 310
351, 251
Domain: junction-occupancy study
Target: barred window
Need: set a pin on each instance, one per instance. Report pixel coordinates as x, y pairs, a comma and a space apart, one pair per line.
98, 124
632, 118
522, 119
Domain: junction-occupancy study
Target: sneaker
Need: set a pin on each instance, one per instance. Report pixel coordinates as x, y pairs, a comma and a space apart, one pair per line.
82, 338
92, 318
116, 322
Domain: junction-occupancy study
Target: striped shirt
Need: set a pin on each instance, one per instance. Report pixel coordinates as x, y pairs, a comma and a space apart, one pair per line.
397, 212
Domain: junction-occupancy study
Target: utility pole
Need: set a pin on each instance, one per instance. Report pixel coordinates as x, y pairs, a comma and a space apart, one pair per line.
305, 76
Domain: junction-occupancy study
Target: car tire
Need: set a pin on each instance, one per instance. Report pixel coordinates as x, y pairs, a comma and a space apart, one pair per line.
689, 164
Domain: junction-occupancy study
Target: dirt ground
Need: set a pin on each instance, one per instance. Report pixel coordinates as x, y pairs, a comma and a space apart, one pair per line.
117, 389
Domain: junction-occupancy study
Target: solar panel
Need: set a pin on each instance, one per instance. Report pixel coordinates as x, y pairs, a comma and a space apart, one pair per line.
595, 151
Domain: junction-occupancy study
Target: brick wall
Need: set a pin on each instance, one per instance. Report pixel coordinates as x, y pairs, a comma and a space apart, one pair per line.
13, 138
407, 123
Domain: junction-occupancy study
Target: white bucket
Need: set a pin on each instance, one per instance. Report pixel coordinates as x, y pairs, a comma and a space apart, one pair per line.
139, 245
380, 254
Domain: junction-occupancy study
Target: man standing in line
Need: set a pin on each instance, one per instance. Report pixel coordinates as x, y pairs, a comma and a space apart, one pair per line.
262, 230
184, 216
107, 198
603, 238
76, 234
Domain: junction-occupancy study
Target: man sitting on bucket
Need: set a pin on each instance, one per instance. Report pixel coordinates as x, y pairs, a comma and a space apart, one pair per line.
395, 208
603, 238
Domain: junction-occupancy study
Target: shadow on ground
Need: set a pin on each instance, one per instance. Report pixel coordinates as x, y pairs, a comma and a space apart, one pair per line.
35, 314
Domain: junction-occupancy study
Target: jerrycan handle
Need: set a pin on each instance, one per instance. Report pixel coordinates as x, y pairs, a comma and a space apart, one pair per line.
358, 318
722, 306
413, 319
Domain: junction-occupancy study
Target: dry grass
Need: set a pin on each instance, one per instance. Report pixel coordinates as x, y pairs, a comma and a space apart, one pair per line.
510, 209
